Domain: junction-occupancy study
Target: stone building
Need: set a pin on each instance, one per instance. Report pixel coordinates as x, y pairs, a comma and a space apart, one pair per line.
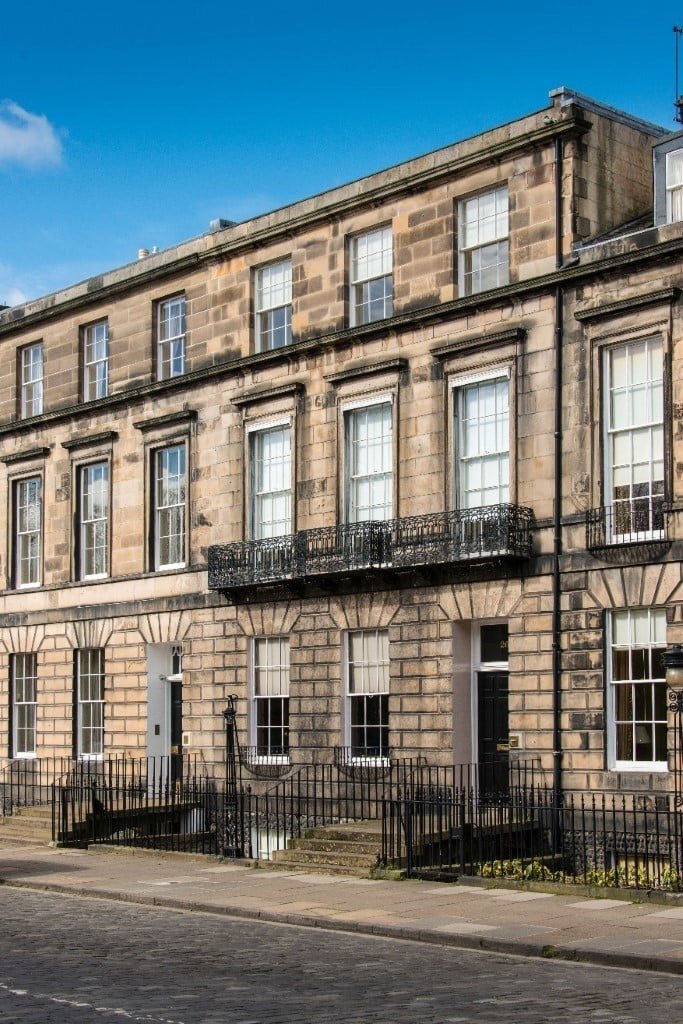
397, 465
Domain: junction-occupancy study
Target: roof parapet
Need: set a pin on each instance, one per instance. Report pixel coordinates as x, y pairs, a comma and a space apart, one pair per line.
564, 97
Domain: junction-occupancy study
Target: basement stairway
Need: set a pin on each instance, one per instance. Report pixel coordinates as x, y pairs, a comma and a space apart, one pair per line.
27, 826
347, 849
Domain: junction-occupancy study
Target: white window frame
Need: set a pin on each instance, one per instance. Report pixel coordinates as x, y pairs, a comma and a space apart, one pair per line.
674, 186
28, 536
168, 510
273, 288
171, 337
614, 533
90, 707
475, 237
352, 476
371, 263
31, 383
24, 675
270, 664
93, 521
614, 763
458, 386
374, 682
256, 432
96, 361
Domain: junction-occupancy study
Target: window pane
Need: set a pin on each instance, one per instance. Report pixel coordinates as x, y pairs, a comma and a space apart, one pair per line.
271, 695
94, 537
482, 440
171, 337
273, 306
369, 464
271, 476
371, 276
95, 361
24, 698
28, 527
90, 699
634, 447
170, 506
483, 232
639, 702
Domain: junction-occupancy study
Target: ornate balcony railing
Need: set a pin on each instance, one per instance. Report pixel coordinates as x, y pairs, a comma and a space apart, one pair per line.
637, 521
442, 538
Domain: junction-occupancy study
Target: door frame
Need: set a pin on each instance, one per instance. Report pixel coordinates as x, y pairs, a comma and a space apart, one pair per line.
477, 666
160, 677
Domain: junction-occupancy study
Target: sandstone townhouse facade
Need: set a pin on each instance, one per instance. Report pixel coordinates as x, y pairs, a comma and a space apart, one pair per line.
398, 466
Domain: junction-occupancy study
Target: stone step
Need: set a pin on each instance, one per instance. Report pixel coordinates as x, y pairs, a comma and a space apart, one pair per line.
24, 832
25, 828
355, 833
320, 858
331, 845
16, 840
42, 811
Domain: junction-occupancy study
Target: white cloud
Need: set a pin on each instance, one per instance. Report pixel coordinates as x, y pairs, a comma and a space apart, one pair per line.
26, 138
13, 297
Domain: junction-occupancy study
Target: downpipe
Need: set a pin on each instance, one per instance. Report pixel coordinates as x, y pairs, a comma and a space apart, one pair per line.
557, 502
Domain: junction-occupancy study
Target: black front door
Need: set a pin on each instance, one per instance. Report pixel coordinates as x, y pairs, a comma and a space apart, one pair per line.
176, 729
494, 745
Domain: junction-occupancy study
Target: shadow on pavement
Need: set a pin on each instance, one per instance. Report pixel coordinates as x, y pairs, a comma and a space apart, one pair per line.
14, 869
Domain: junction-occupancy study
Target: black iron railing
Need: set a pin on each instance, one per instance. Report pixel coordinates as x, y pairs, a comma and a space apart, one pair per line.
481, 534
638, 521
26, 781
155, 802
263, 764
524, 834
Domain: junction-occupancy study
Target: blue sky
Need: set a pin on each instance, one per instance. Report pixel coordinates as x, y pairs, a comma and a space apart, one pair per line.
135, 125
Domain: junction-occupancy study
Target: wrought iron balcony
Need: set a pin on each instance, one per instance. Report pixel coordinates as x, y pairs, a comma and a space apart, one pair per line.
636, 521
442, 538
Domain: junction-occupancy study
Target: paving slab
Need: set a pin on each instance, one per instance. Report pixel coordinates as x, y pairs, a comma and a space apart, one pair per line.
608, 931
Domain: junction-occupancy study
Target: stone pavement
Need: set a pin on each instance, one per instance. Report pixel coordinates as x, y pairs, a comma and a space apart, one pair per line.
605, 931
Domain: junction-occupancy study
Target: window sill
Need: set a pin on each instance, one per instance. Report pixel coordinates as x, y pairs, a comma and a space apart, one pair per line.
641, 767
368, 762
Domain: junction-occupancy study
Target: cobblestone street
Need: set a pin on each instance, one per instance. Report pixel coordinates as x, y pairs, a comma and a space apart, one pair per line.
69, 960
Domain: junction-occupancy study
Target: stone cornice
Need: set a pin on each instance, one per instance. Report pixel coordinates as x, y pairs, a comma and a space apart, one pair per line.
566, 276
394, 365
296, 387
89, 440
184, 417
624, 306
97, 289
476, 341
26, 455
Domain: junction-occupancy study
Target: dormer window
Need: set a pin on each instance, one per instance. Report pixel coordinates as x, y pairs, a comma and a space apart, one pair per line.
674, 186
